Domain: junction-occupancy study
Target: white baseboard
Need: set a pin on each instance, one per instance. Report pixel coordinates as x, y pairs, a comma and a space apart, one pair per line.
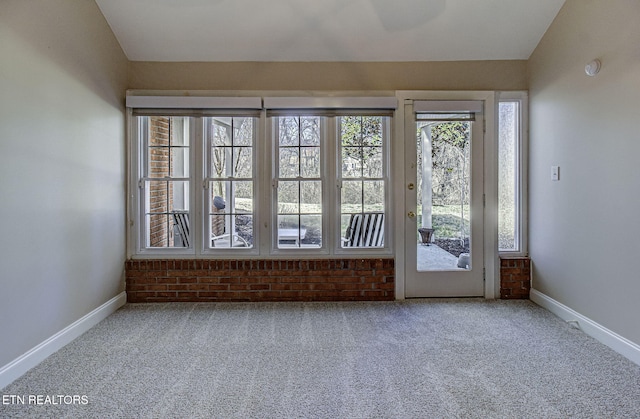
613, 340
39, 353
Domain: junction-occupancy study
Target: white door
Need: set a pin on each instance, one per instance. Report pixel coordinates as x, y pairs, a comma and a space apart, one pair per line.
444, 199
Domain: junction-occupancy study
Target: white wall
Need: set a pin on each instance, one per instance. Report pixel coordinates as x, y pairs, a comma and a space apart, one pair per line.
62, 168
585, 229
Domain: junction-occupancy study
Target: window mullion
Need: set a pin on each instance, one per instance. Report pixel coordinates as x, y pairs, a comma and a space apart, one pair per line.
141, 141
196, 174
330, 207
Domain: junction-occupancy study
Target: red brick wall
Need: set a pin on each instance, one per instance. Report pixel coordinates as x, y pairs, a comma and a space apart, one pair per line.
260, 280
160, 193
515, 278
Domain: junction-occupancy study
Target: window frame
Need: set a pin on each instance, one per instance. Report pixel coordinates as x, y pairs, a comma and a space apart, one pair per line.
140, 163
521, 181
331, 229
385, 249
264, 208
204, 159
274, 140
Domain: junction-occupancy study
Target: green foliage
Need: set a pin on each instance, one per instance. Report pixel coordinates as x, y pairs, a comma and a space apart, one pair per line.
448, 226
453, 133
447, 222
361, 140
359, 131
450, 151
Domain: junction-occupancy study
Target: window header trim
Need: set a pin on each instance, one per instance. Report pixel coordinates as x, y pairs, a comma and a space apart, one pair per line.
327, 103
448, 106
193, 102
328, 112
195, 112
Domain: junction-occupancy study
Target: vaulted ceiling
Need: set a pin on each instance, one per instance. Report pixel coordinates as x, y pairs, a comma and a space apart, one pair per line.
328, 30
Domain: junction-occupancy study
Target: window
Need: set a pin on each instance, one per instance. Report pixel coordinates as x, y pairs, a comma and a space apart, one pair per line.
229, 178
511, 173
299, 182
164, 181
362, 179
169, 149
302, 176
203, 184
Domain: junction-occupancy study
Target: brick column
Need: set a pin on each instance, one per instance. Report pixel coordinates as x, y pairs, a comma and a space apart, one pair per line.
515, 278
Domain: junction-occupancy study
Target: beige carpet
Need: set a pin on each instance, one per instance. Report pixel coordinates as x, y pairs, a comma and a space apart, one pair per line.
464, 358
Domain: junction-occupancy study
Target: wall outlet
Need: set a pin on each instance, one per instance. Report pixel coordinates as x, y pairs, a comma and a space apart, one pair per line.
555, 173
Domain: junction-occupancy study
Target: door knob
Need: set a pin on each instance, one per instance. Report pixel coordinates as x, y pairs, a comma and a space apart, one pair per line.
411, 186
411, 214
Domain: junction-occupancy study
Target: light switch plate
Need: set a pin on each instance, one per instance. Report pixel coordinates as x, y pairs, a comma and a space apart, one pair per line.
555, 173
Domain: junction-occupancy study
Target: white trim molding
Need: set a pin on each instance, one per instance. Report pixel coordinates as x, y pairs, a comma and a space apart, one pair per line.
19, 366
331, 102
193, 102
613, 340
443, 106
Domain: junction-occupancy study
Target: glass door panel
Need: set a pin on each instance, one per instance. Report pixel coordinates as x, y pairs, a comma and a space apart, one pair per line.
443, 195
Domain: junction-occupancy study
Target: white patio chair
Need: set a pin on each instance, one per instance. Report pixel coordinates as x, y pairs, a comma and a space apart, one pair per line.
365, 230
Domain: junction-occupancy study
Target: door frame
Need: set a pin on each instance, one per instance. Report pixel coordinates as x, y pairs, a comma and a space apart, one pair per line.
490, 238
450, 282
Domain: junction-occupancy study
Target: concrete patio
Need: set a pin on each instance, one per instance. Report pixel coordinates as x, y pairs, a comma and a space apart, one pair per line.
434, 258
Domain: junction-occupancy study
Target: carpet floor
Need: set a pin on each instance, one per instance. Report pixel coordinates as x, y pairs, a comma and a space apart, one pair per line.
443, 358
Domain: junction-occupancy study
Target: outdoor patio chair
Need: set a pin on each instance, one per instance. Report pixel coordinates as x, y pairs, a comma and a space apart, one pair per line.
223, 241
180, 229
181, 234
365, 230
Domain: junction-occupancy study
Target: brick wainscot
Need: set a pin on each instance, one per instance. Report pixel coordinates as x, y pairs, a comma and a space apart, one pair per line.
260, 280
